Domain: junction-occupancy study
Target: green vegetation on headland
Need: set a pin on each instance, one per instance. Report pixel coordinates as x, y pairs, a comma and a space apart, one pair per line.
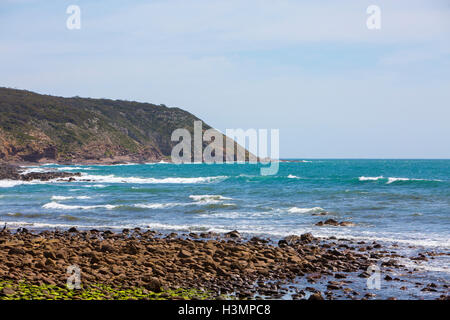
24, 291
35, 127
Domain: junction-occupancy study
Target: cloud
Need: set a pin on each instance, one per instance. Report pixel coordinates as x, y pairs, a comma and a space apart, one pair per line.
312, 70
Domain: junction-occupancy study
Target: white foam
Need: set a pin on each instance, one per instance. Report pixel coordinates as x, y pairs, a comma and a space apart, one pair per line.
161, 162
370, 178
291, 176
69, 197
58, 225
33, 169
60, 206
157, 205
13, 183
72, 168
206, 199
393, 179
94, 186
9, 183
203, 197
175, 180
305, 210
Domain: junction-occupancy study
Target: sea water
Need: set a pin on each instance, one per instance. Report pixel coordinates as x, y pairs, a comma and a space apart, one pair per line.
401, 202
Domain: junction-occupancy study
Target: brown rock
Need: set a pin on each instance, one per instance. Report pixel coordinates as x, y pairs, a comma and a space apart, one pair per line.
16, 251
152, 284
50, 255
7, 291
233, 234
184, 254
316, 296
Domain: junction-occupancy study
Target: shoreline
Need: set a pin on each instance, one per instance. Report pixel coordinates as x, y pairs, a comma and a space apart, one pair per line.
212, 265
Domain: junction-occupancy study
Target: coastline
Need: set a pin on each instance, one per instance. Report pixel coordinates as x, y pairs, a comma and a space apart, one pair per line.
193, 266
106, 161
204, 265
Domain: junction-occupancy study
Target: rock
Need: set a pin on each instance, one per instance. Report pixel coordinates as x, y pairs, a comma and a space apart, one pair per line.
152, 284
184, 254
6, 291
323, 213
364, 275
16, 251
233, 234
331, 222
73, 230
50, 255
258, 240
107, 248
307, 237
388, 278
131, 248
316, 296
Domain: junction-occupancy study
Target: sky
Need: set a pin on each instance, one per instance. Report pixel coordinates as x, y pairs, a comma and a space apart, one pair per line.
312, 69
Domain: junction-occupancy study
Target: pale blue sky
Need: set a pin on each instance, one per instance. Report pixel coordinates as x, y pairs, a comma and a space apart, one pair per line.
312, 69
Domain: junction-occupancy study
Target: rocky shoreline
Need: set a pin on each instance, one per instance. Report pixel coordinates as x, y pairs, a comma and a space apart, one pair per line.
14, 172
223, 266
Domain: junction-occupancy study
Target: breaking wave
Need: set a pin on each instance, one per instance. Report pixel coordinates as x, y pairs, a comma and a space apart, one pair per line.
59, 198
60, 206
305, 210
114, 179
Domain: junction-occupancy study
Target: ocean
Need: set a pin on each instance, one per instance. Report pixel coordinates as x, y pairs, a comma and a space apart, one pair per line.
399, 202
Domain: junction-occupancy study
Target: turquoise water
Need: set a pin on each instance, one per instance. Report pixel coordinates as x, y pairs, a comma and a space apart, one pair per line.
396, 201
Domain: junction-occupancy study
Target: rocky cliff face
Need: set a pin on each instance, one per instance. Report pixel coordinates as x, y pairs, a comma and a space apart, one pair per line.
42, 128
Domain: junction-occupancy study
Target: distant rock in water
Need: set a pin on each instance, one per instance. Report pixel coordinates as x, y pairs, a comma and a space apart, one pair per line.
332, 222
11, 172
44, 128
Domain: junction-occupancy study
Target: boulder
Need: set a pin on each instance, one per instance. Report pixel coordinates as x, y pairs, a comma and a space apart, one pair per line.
233, 234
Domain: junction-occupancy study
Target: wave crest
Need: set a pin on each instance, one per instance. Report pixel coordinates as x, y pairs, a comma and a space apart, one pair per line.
60, 206
175, 180
305, 210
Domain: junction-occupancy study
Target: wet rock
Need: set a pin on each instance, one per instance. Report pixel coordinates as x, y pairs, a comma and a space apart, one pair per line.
332, 222
7, 291
258, 240
346, 224
316, 296
152, 284
307, 238
323, 213
233, 234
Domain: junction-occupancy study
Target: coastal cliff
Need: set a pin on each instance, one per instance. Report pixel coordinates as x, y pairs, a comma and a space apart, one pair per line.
44, 128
